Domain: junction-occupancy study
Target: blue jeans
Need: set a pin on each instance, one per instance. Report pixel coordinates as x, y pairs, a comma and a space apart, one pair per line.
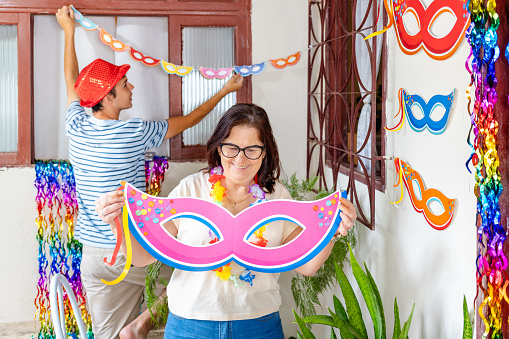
266, 327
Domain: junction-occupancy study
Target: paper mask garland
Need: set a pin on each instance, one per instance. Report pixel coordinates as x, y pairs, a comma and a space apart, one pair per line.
422, 197
249, 70
438, 48
211, 73
56, 193
283, 62
406, 102
491, 260
181, 71
146, 60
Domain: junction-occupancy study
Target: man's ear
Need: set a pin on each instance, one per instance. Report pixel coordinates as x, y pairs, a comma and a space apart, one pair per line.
108, 99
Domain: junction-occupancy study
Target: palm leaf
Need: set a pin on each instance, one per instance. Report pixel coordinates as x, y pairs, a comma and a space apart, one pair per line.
352, 305
406, 326
307, 334
467, 326
378, 299
368, 294
319, 319
339, 308
397, 322
345, 328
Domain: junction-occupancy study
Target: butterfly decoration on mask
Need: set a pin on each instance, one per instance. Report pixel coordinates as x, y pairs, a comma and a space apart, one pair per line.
145, 215
421, 197
407, 102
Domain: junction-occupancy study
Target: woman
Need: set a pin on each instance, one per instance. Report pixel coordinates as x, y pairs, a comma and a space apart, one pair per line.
231, 301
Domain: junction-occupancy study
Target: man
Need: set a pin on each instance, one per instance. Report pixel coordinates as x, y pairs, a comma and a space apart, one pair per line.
103, 151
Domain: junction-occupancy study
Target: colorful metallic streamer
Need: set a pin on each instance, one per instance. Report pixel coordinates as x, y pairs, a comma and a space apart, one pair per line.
491, 260
56, 206
154, 176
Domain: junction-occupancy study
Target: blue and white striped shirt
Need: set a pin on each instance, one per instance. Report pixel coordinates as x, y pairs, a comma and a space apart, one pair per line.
102, 153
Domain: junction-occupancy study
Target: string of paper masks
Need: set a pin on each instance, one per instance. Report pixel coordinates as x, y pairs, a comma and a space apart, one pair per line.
181, 70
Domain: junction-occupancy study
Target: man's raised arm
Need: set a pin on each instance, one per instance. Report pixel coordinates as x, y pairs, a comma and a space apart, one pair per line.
65, 17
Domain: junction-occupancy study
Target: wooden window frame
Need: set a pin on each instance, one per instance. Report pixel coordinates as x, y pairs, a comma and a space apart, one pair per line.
232, 13
24, 151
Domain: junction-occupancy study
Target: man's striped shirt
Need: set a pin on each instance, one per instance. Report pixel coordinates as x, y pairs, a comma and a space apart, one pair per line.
103, 153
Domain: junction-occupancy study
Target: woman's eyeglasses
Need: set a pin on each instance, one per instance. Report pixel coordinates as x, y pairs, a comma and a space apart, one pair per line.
251, 152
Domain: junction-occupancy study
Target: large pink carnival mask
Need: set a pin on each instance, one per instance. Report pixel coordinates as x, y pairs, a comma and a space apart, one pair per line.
436, 47
146, 215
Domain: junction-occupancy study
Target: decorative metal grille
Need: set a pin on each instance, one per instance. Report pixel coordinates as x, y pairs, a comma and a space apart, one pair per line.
337, 91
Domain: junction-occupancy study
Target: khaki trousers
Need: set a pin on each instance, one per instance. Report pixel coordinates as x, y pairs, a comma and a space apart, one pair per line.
112, 307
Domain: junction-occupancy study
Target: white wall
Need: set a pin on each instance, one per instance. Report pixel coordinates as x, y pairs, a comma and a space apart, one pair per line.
408, 259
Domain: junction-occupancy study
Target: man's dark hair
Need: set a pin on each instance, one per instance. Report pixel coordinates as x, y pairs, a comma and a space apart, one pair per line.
99, 106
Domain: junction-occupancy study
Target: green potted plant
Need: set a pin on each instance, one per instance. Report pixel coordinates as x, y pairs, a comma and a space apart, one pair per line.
349, 320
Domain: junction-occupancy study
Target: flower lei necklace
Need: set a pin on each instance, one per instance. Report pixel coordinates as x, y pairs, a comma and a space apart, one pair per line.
217, 193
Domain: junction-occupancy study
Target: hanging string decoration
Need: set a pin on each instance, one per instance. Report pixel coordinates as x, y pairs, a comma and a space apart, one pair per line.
491, 261
180, 70
154, 176
59, 251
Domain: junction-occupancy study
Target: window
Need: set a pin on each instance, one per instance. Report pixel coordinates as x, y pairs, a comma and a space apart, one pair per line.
171, 17
346, 90
15, 89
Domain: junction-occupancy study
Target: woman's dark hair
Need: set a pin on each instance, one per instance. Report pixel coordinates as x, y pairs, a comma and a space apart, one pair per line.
252, 116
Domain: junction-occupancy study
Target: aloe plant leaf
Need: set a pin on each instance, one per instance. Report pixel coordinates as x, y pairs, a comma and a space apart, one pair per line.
307, 334
352, 305
397, 322
345, 328
378, 299
339, 309
333, 334
406, 326
368, 294
319, 319
299, 336
467, 326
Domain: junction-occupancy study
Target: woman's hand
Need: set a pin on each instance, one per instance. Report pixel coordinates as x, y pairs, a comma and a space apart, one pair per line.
348, 215
109, 206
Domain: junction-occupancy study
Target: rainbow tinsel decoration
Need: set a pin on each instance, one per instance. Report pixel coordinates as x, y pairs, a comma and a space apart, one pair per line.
154, 176
491, 260
59, 251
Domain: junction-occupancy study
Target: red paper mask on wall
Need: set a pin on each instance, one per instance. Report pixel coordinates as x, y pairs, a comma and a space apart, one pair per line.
438, 48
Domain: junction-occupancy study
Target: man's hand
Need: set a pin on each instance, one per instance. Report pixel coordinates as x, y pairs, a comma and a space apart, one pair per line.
234, 84
65, 17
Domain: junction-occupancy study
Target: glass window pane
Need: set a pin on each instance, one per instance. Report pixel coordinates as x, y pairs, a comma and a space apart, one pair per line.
8, 88
209, 47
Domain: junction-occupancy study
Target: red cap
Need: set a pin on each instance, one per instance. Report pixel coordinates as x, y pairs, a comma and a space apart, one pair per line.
96, 80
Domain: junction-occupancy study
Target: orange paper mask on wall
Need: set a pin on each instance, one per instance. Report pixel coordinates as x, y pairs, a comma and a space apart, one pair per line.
421, 198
